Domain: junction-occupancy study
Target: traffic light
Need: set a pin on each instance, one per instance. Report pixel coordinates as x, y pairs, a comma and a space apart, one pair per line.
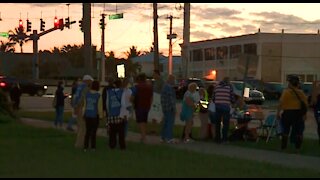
80, 25
42, 25
61, 25
56, 23
20, 25
102, 24
28, 25
68, 22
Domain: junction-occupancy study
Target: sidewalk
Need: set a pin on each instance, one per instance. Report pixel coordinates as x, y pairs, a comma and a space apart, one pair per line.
284, 159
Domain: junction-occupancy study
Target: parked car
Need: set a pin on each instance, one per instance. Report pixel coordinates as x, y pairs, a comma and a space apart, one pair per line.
255, 96
307, 89
183, 86
26, 86
273, 90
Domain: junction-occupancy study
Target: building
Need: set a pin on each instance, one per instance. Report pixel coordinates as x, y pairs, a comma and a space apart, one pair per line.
271, 56
147, 64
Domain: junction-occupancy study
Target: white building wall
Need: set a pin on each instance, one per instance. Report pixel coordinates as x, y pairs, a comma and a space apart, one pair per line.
300, 54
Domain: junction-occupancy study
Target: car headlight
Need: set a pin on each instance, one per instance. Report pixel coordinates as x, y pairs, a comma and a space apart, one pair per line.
45, 87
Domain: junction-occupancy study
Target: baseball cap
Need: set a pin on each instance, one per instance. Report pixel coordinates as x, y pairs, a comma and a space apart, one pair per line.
87, 77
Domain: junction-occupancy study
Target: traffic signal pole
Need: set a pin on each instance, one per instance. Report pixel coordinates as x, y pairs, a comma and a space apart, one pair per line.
35, 37
35, 61
170, 48
103, 60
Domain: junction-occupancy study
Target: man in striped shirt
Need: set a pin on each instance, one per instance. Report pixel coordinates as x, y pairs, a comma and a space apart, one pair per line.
223, 97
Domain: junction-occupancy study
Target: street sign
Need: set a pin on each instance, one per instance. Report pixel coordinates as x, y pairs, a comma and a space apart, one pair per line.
4, 34
116, 16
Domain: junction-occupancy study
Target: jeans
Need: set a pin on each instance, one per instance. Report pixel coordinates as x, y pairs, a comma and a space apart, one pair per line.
59, 115
222, 111
126, 127
117, 130
167, 128
71, 121
291, 119
317, 118
91, 132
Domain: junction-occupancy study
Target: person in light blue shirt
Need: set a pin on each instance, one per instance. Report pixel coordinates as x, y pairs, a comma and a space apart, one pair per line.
91, 115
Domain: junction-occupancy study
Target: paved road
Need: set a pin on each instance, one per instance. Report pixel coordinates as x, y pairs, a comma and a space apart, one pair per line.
279, 158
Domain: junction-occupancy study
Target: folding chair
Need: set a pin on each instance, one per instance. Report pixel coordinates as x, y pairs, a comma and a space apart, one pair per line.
268, 126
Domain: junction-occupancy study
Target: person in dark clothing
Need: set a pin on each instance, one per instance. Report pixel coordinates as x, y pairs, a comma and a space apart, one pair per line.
315, 103
60, 96
15, 94
142, 102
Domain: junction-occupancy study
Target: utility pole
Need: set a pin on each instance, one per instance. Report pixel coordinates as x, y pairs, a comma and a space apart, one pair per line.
155, 35
186, 39
86, 16
35, 37
103, 60
170, 36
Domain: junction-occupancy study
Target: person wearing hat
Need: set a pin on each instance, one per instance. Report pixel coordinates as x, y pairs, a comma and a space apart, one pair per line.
292, 116
78, 104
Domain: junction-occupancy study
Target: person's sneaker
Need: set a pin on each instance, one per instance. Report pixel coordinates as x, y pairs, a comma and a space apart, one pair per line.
188, 140
172, 141
84, 150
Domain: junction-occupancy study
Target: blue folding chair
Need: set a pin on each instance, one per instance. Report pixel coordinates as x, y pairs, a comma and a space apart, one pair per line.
268, 127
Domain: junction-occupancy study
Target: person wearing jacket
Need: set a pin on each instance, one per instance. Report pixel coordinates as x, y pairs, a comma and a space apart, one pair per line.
291, 116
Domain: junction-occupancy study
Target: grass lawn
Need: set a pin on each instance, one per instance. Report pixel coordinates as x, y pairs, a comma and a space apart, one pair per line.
36, 152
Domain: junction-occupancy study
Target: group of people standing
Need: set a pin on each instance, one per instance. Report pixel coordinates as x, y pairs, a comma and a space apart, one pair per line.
198, 102
119, 100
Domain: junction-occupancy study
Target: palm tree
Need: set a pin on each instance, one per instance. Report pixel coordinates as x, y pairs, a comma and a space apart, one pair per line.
6, 47
148, 51
55, 50
132, 68
18, 37
133, 52
110, 64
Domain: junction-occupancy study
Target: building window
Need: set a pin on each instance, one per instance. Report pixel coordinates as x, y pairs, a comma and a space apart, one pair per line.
197, 55
310, 77
209, 54
222, 52
235, 51
250, 48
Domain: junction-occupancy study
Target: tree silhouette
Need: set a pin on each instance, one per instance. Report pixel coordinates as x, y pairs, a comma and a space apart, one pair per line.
18, 37
132, 68
7, 47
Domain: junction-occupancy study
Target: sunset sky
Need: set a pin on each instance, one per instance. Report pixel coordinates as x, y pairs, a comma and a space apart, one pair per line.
208, 21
